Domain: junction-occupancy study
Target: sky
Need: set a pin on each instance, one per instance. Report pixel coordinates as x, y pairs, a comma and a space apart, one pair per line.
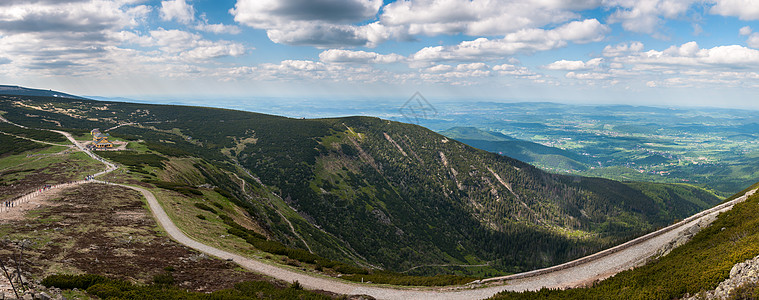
649, 52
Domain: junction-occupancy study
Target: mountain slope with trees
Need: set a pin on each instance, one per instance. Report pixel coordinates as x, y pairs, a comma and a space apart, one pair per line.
372, 192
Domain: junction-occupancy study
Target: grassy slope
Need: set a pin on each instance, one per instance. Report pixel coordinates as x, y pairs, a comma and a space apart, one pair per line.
699, 265
23, 172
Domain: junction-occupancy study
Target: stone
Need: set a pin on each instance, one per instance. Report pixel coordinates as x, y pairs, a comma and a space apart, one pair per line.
44, 296
694, 229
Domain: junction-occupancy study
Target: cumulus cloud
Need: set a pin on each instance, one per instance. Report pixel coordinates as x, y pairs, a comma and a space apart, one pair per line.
513, 70
203, 25
478, 17
622, 49
587, 76
523, 41
743, 9
53, 36
438, 69
68, 17
461, 74
646, 16
574, 65
745, 30
690, 54
192, 46
358, 57
99, 38
177, 10
322, 35
753, 40
218, 28
320, 23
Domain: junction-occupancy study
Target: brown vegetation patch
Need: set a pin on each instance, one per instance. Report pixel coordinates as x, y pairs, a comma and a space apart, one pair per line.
60, 172
101, 229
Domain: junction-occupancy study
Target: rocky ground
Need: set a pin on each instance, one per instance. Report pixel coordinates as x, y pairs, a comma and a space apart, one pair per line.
683, 237
742, 284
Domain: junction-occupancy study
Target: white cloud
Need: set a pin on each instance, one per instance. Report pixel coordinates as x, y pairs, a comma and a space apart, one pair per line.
478, 17
690, 54
70, 37
519, 71
323, 35
753, 40
587, 76
745, 30
574, 65
646, 16
321, 23
438, 69
217, 28
69, 17
462, 74
523, 41
622, 49
204, 25
360, 57
177, 10
472, 66
192, 46
743, 9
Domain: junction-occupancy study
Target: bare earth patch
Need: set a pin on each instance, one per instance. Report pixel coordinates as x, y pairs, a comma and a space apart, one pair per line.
102, 229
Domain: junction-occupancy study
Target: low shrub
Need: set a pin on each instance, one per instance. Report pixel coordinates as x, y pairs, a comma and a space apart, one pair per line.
118, 289
205, 207
65, 281
163, 279
385, 277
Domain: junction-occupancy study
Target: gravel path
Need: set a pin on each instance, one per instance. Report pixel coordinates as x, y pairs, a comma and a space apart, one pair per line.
596, 266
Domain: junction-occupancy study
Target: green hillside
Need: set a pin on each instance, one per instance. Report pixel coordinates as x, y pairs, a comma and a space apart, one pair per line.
699, 265
369, 192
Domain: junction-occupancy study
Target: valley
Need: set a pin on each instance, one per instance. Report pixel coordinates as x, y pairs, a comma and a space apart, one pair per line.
713, 148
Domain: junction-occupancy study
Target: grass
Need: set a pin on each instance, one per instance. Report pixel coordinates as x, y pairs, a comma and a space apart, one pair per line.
699, 265
163, 288
212, 231
46, 166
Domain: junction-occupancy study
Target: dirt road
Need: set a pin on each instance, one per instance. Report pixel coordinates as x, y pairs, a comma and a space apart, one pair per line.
599, 265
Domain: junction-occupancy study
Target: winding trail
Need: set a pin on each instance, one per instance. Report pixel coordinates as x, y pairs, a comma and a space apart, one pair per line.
596, 266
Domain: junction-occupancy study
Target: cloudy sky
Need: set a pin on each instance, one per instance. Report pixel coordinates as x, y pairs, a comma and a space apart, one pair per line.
671, 52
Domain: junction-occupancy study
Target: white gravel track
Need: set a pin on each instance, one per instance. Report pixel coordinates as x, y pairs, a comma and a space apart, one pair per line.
596, 266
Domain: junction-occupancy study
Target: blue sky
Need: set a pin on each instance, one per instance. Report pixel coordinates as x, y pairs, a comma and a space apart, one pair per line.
663, 52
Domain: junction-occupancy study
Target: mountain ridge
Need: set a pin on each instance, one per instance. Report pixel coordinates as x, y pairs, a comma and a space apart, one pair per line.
24, 91
395, 195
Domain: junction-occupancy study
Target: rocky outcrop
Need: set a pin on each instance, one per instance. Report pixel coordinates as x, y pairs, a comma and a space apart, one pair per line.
745, 274
685, 236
